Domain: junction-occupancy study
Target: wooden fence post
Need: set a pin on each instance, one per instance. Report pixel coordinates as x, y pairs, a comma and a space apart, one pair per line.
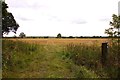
104, 53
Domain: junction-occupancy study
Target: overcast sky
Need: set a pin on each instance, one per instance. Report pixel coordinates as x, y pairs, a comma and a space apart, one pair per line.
68, 17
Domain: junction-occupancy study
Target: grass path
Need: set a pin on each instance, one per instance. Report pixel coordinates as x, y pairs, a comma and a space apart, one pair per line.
50, 65
46, 63
39, 61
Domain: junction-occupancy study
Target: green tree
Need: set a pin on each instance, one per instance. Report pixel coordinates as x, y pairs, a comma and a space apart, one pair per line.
115, 26
8, 22
22, 35
114, 53
59, 35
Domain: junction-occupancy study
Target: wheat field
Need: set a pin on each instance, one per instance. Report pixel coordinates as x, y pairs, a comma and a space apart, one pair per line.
62, 41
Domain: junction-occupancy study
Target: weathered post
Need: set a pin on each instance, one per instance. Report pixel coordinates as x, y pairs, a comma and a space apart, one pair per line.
104, 53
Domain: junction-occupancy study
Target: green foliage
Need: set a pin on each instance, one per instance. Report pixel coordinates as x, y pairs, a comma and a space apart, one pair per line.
8, 21
22, 35
115, 26
114, 43
59, 35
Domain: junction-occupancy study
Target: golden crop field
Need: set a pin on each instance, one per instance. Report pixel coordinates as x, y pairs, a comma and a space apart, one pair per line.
62, 41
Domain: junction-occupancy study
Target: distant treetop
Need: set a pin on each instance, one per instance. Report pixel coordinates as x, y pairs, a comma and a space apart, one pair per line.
59, 35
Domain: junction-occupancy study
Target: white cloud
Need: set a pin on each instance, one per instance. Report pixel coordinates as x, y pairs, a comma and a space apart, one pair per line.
68, 17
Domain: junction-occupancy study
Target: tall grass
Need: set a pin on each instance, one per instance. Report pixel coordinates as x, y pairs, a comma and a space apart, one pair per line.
17, 55
89, 56
83, 54
113, 60
82, 60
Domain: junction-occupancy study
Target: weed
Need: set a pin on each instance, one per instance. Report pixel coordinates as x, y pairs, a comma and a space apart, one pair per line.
90, 57
17, 55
